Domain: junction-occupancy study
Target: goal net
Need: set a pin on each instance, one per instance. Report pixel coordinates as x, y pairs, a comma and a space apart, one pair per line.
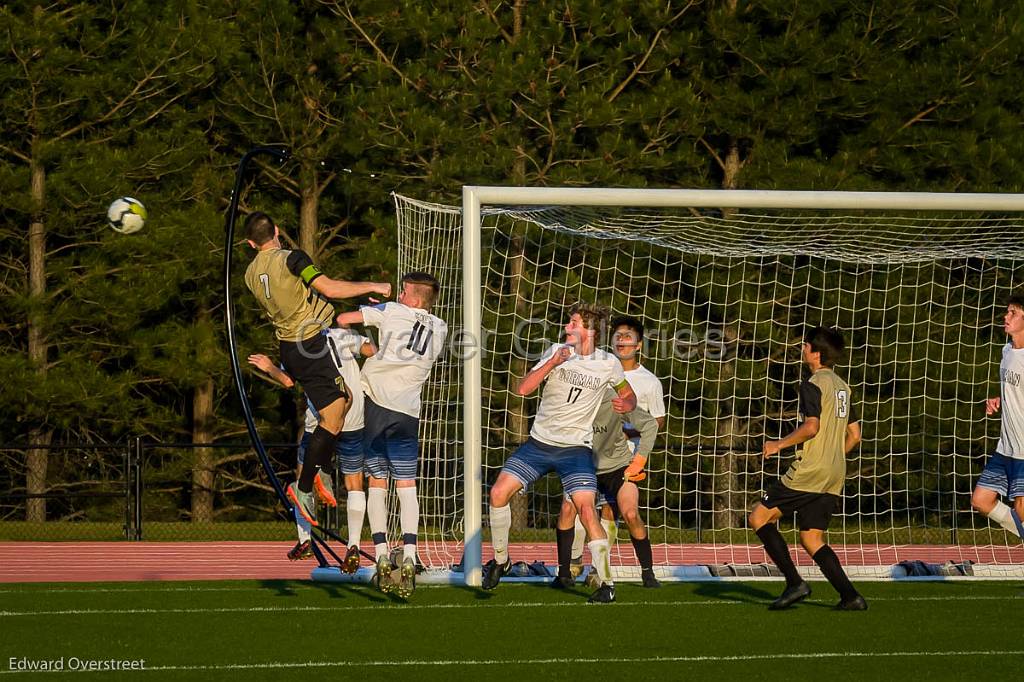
725, 284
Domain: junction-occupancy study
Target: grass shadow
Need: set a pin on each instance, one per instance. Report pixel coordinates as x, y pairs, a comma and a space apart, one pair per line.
734, 591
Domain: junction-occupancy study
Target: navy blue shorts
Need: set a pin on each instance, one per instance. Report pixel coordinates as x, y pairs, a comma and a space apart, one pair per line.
1004, 475
574, 465
348, 452
391, 442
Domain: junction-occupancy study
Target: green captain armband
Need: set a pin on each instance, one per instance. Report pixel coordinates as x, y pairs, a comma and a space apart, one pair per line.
309, 273
618, 386
302, 266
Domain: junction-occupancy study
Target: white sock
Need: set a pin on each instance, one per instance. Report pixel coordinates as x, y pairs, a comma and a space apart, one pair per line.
609, 530
377, 515
302, 525
501, 523
579, 537
1001, 515
355, 510
409, 516
599, 557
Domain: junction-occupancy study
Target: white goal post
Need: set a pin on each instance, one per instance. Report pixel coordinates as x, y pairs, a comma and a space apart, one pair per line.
903, 275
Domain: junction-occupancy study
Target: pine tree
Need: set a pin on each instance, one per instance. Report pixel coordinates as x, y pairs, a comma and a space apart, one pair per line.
84, 87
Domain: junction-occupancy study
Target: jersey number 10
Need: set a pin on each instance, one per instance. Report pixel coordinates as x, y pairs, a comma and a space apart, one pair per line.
419, 338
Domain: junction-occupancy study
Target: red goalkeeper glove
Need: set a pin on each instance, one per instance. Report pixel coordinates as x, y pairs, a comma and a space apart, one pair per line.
635, 471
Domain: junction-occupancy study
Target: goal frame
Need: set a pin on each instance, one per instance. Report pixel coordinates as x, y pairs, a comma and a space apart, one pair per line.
476, 197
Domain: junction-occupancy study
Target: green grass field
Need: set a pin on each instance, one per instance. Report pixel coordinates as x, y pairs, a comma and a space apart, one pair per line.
279, 630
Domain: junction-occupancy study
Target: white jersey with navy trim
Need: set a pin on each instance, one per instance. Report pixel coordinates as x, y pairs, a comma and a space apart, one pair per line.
1011, 402
409, 341
344, 347
572, 393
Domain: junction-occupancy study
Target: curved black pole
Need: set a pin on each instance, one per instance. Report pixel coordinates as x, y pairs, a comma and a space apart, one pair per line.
229, 312
236, 370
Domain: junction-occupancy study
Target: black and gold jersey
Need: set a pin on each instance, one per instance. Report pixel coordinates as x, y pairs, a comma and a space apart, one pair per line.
820, 465
280, 280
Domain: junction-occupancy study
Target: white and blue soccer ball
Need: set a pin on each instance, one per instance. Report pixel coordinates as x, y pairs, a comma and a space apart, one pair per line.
126, 215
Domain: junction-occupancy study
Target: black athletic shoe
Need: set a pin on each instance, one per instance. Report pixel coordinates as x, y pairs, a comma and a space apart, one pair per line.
855, 604
350, 564
790, 596
648, 578
493, 573
563, 582
604, 595
301, 550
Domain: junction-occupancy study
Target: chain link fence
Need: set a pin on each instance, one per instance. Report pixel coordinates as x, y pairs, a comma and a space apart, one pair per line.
140, 490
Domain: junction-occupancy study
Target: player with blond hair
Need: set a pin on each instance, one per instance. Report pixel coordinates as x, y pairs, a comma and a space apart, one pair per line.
410, 340
575, 376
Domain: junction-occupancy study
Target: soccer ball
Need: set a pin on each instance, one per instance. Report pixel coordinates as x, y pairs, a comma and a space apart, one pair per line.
126, 215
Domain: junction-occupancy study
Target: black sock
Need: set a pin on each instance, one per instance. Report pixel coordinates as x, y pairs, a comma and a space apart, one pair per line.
829, 564
778, 550
564, 539
319, 452
642, 547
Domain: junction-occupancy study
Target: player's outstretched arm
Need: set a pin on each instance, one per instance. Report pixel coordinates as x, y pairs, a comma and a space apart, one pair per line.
337, 288
273, 371
349, 318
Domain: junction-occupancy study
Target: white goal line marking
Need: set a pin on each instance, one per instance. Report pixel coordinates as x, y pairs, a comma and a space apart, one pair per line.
390, 607
282, 665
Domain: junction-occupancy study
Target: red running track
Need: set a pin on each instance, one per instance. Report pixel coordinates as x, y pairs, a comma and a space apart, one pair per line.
141, 561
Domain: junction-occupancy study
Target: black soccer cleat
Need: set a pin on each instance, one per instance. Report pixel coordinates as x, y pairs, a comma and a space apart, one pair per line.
563, 582
301, 550
350, 564
790, 596
855, 604
493, 573
648, 578
604, 595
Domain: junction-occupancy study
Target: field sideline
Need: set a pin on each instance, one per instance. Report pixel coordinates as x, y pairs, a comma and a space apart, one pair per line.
280, 629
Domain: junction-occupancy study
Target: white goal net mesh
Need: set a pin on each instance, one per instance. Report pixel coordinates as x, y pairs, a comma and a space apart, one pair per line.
725, 297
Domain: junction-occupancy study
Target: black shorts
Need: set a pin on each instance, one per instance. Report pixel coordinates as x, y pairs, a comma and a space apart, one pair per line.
814, 510
608, 485
309, 362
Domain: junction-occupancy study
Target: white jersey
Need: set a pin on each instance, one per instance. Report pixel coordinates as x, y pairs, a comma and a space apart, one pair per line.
1011, 404
650, 397
410, 340
344, 346
571, 396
